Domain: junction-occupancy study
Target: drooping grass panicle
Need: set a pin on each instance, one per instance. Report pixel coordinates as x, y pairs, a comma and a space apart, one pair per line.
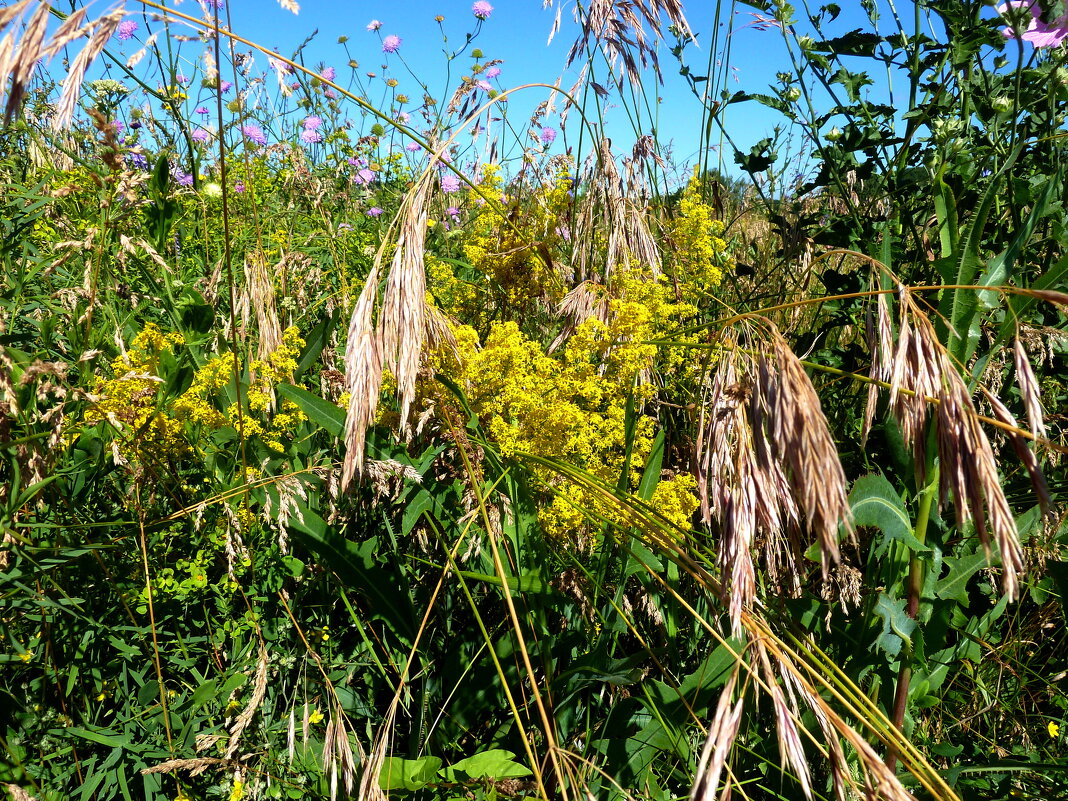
767, 466
363, 376
926, 385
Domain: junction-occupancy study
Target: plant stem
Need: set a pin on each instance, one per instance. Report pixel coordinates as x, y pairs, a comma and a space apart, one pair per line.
912, 607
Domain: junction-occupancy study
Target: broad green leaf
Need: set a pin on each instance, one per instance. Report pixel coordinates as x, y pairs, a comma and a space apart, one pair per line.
961, 568
408, 774
322, 412
875, 503
493, 764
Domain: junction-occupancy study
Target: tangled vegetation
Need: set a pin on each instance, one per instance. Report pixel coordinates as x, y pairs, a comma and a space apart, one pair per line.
352, 448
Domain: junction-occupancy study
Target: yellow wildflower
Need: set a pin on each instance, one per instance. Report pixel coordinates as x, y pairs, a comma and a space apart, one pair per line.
1054, 730
315, 717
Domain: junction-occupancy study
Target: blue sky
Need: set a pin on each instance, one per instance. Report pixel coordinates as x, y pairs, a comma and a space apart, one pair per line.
746, 58
517, 34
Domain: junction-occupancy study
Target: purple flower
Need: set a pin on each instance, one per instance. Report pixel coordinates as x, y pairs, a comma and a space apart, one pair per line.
492, 73
225, 86
1038, 33
312, 123
328, 74
374, 25
330, 94
363, 177
119, 127
202, 111
374, 211
254, 133
484, 86
179, 78
403, 117
450, 183
201, 135
453, 212
310, 137
413, 147
391, 44
239, 187
344, 227
482, 9
182, 177
138, 160
127, 30
548, 135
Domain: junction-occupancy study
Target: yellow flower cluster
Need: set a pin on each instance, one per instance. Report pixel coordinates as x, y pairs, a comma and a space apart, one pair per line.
130, 400
700, 254
513, 253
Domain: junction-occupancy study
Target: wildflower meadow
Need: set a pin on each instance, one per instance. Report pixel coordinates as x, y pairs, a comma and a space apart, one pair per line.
378, 423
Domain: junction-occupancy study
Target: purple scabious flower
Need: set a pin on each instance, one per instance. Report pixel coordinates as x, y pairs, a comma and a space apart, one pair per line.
363, 177
202, 111
374, 25
312, 123
484, 86
374, 211
127, 30
330, 94
179, 78
404, 117
391, 44
450, 183
328, 74
413, 147
254, 134
548, 135
239, 187
310, 137
201, 135
182, 177
492, 73
482, 9
226, 86
453, 212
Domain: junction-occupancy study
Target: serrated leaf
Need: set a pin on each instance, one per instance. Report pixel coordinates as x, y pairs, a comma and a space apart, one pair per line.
875, 503
897, 625
961, 569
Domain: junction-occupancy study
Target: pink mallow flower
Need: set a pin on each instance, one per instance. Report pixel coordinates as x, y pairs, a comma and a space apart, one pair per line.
1038, 33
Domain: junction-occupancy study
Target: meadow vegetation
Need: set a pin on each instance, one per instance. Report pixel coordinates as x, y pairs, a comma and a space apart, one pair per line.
360, 442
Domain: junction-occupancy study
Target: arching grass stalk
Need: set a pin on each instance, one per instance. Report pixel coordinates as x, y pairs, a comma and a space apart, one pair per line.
546, 721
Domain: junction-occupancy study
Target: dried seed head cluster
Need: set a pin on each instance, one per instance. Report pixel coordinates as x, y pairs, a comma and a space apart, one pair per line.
767, 466
925, 385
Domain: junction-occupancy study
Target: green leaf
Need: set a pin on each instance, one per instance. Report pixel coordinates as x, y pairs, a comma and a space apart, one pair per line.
897, 625
408, 774
875, 503
322, 412
352, 563
494, 764
961, 569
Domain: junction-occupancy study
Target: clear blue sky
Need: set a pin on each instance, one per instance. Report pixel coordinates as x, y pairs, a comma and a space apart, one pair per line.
516, 34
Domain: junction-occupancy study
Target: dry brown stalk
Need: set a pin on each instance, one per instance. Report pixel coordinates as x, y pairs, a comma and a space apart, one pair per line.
101, 32
194, 766
245, 718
